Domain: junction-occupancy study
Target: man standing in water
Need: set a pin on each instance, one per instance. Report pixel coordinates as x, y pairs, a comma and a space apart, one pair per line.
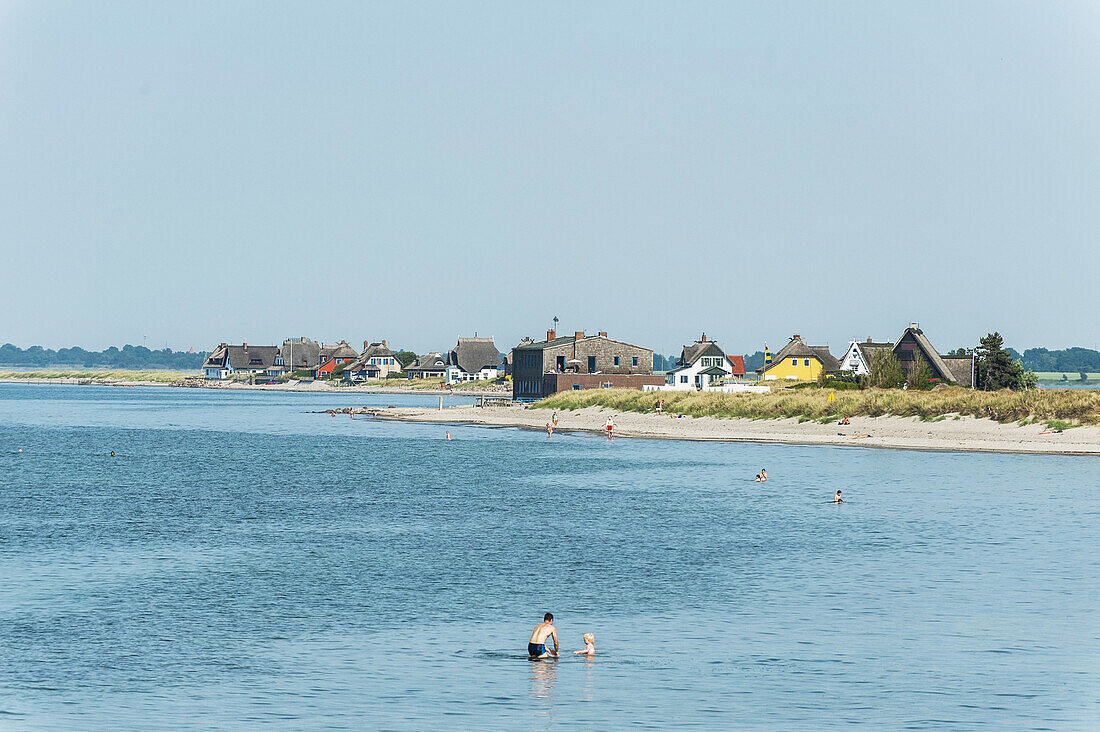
536, 647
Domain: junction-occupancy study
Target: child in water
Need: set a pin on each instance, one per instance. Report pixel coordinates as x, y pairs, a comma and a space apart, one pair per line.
589, 646
837, 498
762, 476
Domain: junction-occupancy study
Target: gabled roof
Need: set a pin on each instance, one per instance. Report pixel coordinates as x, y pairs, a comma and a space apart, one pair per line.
929, 352
797, 348
217, 357
473, 354
340, 350
376, 350
245, 357
698, 349
429, 362
714, 371
738, 364
305, 353
867, 350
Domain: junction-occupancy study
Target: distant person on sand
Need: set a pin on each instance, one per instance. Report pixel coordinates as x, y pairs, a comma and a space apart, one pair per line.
536, 647
837, 498
660, 406
610, 426
554, 419
589, 646
844, 421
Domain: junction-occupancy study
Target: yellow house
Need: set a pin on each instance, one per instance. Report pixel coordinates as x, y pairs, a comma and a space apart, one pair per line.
798, 362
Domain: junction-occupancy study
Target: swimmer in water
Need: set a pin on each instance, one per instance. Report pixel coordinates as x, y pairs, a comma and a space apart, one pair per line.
762, 476
549, 430
448, 434
837, 498
112, 453
589, 646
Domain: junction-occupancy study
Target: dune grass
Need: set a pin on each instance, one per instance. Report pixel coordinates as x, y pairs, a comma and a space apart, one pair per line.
106, 375
1070, 406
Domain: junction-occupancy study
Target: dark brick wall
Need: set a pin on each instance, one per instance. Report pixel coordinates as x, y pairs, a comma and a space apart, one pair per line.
553, 383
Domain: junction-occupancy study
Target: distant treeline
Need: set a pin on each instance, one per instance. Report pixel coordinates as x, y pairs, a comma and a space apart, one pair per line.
1074, 360
128, 357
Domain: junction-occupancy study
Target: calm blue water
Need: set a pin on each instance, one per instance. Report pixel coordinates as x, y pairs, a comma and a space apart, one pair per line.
245, 563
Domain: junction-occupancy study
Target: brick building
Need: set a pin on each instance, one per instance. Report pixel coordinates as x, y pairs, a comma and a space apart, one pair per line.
580, 361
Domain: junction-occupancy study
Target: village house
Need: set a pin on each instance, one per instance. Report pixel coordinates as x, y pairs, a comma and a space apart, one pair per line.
226, 360
576, 362
797, 361
376, 361
333, 356
913, 341
296, 354
861, 354
427, 366
701, 364
958, 369
473, 359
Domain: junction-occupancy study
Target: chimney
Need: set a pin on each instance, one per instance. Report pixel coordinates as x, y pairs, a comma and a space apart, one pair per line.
703, 339
384, 343
365, 344
577, 335
869, 339
603, 334
914, 326
244, 345
551, 334
796, 337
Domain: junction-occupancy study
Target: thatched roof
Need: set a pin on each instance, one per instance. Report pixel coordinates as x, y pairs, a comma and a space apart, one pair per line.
929, 353
698, 349
251, 358
473, 354
429, 362
962, 369
798, 349
306, 354
340, 350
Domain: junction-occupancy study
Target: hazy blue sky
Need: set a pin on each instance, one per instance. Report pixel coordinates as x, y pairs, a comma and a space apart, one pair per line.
199, 172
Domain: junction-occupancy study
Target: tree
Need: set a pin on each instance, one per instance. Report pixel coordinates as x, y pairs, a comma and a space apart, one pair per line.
961, 352
405, 358
885, 371
920, 376
1083, 377
996, 369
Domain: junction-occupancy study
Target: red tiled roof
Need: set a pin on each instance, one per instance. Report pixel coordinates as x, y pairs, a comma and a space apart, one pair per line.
738, 363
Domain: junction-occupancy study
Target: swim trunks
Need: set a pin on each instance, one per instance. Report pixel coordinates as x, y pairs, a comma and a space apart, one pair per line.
536, 649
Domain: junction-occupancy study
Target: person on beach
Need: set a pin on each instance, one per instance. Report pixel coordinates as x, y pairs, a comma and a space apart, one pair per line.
610, 426
554, 418
837, 498
589, 646
660, 406
844, 421
549, 431
536, 647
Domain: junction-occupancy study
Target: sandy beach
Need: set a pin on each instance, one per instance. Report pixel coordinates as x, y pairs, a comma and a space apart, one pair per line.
965, 434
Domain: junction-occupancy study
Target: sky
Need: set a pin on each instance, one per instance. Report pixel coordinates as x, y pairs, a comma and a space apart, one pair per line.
188, 173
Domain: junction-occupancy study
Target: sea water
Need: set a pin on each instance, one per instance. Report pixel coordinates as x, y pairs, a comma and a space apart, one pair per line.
245, 562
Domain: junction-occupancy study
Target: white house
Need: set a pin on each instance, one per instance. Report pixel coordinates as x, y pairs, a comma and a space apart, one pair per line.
376, 361
700, 365
859, 355
227, 360
473, 359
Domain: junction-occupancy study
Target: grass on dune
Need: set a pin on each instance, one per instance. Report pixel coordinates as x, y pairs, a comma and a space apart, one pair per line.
1071, 406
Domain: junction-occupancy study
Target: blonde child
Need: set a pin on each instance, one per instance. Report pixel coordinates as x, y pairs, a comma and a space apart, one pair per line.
589, 646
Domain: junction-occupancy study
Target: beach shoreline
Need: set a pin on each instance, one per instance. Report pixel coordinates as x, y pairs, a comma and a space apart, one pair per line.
964, 434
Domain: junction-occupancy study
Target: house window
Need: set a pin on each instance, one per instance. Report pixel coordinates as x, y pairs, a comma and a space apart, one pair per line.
591, 364
794, 362
683, 379
616, 360
634, 361
807, 362
576, 387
